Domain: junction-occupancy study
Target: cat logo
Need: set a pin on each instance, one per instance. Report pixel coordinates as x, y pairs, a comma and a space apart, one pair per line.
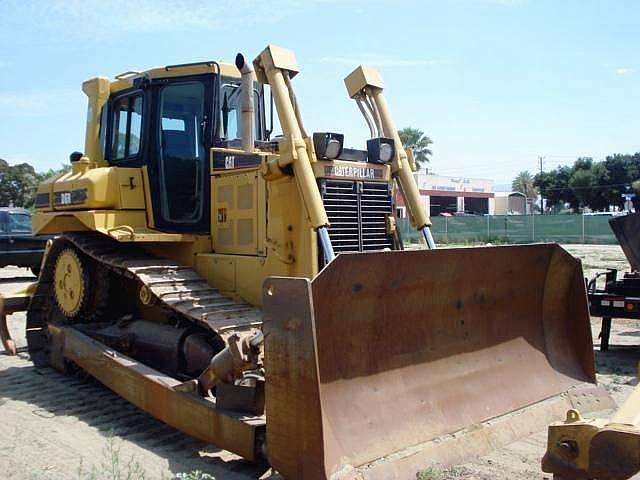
366, 173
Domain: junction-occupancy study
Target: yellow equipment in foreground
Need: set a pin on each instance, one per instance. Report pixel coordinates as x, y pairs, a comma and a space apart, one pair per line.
253, 292
599, 448
16, 300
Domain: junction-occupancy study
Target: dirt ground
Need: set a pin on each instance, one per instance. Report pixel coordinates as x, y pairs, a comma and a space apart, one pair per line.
57, 427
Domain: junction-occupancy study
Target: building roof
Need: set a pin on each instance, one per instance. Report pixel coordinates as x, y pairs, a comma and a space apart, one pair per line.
510, 194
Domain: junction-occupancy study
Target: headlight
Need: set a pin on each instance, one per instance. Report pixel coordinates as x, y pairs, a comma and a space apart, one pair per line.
380, 150
328, 145
386, 152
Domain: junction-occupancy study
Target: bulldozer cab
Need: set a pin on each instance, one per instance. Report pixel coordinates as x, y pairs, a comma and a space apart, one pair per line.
168, 126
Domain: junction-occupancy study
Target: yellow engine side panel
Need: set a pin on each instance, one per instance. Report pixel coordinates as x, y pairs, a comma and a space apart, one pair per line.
131, 188
238, 215
110, 200
287, 238
101, 188
239, 276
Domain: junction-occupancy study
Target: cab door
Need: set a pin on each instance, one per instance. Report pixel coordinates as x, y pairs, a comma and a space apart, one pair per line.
179, 163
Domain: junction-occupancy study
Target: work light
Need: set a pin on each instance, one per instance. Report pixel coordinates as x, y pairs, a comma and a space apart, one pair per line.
328, 145
380, 150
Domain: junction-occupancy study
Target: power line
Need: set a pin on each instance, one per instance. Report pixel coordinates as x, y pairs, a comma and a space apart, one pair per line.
596, 187
488, 166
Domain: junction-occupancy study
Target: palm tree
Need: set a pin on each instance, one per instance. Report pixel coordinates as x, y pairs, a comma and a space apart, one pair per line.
417, 141
523, 183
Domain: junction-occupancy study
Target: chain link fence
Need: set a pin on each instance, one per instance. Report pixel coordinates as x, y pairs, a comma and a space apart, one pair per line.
592, 229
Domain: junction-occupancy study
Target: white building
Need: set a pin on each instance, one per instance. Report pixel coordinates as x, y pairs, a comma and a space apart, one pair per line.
443, 194
511, 203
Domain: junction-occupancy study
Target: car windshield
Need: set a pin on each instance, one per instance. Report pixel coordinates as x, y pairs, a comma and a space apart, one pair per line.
19, 222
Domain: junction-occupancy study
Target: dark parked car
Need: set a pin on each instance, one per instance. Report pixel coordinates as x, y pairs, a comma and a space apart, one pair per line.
18, 245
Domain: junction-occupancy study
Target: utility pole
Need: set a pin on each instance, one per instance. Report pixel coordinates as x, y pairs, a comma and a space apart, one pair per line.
541, 197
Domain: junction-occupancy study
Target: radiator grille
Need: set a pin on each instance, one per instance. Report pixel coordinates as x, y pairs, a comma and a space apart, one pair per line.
358, 214
375, 206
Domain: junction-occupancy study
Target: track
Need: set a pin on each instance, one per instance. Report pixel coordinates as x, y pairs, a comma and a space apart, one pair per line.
180, 289
62, 395
52, 422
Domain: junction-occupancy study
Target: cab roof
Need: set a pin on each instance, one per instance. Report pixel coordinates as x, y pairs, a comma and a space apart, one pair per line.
125, 80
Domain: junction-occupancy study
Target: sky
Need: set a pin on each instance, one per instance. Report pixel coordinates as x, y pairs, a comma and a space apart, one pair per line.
496, 84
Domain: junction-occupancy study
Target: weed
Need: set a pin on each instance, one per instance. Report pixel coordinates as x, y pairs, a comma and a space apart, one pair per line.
112, 466
195, 475
431, 473
437, 473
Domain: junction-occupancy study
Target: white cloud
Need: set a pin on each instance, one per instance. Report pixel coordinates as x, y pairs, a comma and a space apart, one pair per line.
97, 20
377, 60
624, 71
39, 102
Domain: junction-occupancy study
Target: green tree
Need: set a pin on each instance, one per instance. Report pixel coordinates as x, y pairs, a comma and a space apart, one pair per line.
553, 185
523, 183
18, 183
417, 141
42, 176
622, 171
597, 185
590, 184
582, 182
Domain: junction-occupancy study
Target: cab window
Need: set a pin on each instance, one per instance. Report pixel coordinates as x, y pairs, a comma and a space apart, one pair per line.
126, 127
230, 128
230, 106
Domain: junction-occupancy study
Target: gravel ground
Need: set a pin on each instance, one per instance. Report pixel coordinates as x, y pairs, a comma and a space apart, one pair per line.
56, 427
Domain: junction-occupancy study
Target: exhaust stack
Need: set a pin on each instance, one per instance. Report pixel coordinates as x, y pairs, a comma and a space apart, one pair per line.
247, 103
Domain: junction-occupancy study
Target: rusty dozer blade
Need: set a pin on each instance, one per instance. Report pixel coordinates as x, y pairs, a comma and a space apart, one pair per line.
380, 364
626, 228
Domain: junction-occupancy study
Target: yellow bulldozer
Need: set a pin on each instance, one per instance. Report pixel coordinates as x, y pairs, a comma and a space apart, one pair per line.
253, 290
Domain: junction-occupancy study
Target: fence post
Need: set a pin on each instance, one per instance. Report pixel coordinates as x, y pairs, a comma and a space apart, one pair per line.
533, 227
488, 227
583, 227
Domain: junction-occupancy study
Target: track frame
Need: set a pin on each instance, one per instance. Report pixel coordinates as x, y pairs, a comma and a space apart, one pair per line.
162, 396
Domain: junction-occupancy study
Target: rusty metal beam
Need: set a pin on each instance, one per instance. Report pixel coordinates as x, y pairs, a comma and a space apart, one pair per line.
17, 301
158, 395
